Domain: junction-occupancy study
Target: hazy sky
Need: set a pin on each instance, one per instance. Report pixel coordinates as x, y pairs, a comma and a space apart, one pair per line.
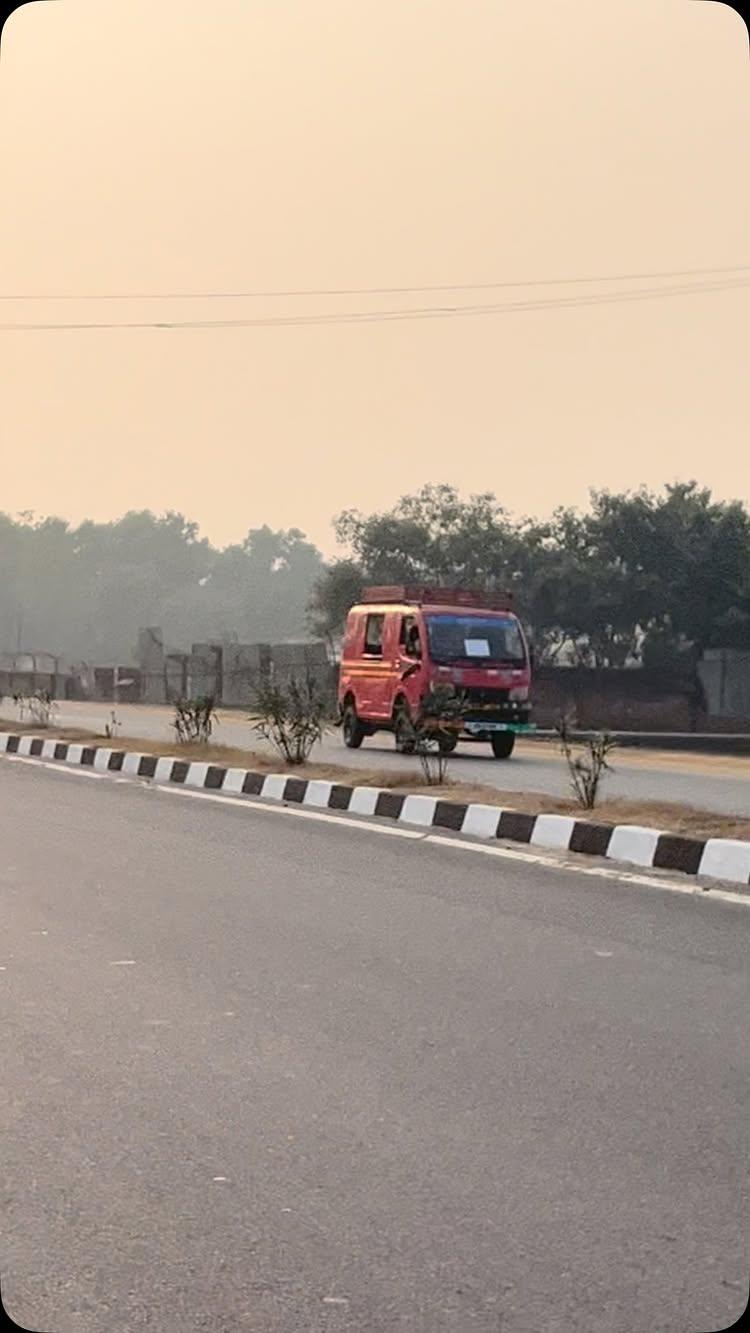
171, 146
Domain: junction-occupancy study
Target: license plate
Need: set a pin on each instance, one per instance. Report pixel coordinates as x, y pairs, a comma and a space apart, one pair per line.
478, 728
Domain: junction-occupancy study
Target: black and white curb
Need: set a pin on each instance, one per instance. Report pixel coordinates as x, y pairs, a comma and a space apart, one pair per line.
714, 858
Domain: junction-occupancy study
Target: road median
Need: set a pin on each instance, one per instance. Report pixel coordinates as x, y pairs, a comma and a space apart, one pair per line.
638, 844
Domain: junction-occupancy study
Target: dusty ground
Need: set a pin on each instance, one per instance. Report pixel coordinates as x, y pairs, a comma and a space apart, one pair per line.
663, 815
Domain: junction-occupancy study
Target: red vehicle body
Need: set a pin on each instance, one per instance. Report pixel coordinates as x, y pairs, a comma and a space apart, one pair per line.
400, 642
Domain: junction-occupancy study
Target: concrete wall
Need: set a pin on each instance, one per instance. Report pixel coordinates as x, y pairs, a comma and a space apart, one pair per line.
29, 682
243, 667
725, 677
621, 700
205, 671
297, 659
152, 665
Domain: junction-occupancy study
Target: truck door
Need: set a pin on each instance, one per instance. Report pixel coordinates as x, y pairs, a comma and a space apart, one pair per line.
374, 666
408, 661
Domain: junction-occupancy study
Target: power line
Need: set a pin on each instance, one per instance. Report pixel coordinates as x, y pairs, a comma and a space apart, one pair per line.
374, 291
389, 316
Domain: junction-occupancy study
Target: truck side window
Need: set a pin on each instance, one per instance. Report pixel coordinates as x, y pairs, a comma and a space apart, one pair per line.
374, 636
409, 637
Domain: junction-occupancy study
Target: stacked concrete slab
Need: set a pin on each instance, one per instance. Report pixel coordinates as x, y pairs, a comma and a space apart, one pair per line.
205, 671
243, 667
725, 676
151, 663
298, 659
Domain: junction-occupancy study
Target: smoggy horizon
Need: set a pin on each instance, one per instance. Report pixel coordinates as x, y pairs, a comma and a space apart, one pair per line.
499, 157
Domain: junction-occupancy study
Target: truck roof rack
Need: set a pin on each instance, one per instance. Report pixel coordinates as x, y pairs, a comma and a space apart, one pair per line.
433, 595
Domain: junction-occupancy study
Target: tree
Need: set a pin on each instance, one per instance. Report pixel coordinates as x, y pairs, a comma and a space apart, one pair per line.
337, 588
655, 575
84, 592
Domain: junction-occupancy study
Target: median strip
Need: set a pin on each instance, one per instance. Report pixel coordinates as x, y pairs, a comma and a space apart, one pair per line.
714, 858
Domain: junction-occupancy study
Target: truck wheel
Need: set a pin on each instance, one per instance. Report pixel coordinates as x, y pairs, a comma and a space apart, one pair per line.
403, 732
502, 744
353, 730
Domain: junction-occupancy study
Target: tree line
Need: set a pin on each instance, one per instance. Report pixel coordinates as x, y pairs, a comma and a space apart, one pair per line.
83, 592
638, 577
644, 577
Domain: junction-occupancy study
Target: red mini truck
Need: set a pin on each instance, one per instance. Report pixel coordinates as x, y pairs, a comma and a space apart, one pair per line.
401, 642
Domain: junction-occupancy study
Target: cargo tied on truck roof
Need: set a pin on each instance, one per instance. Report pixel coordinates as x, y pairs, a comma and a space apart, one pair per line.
404, 640
427, 594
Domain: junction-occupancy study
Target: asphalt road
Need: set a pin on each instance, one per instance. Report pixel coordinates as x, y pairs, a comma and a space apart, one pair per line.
277, 1074
710, 782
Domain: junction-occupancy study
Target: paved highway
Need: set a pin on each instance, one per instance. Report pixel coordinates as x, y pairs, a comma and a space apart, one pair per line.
273, 1073
710, 782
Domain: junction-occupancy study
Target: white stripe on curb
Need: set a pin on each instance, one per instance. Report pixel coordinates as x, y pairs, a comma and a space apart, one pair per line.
553, 831
726, 858
364, 800
318, 793
630, 842
481, 821
419, 810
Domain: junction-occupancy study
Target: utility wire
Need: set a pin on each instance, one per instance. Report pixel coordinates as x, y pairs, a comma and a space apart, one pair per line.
386, 316
375, 291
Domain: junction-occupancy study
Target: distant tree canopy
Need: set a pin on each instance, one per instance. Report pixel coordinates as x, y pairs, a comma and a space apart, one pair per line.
658, 577
83, 592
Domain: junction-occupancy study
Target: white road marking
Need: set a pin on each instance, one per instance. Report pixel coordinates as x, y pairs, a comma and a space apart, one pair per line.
123, 962
288, 810
57, 767
219, 1178
600, 872
603, 953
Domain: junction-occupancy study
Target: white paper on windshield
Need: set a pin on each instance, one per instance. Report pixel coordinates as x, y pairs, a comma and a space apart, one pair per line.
477, 647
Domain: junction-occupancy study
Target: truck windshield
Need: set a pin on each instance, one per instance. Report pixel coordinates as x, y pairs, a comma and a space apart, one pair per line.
480, 639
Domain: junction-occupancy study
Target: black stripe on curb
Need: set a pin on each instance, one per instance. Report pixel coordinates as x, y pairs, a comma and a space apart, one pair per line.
677, 853
36, 747
147, 765
295, 789
390, 804
116, 761
61, 750
340, 797
13, 744
253, 784
594, 839
215, 777
180, 770
450, 814
516, 826
88, 755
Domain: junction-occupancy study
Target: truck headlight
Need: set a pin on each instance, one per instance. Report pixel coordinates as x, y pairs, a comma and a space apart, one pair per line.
519, 694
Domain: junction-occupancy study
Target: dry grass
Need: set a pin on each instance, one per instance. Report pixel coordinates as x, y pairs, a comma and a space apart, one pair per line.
665, 815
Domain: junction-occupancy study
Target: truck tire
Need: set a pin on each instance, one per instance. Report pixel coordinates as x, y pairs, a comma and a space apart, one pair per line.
353, 730
447, 744
403, 732
502, 744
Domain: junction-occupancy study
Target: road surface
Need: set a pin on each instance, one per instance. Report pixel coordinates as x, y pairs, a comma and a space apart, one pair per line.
710, 782
290, 1076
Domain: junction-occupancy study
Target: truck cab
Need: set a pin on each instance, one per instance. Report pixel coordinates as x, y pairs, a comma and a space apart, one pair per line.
401, 642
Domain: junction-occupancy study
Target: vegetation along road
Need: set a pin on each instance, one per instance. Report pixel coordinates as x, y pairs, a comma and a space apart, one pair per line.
709, 782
